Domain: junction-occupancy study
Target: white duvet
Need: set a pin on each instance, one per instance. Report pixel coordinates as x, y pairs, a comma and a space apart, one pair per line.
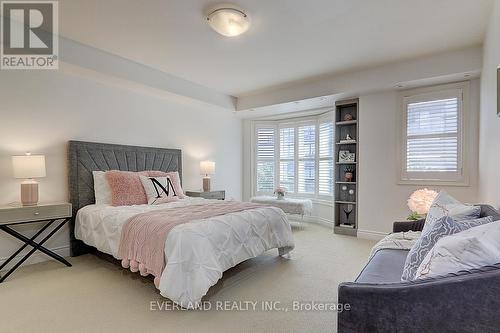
198, 252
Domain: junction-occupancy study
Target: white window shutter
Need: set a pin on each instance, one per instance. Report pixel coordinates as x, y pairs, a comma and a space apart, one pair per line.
432, 136
307, 159
326, 167
287, 156
265, 148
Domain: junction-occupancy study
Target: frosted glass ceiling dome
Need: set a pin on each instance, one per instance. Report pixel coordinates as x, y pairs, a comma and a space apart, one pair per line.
228, 21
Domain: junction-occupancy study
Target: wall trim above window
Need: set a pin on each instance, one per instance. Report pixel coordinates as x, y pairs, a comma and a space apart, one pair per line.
433, 144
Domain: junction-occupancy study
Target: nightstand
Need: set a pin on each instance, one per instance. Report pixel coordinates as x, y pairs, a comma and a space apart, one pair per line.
217, 195
17, 215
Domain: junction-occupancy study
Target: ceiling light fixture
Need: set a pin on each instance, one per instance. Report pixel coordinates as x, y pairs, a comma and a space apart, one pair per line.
228, 21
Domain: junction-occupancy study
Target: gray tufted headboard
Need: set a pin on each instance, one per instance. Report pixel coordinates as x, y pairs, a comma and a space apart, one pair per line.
85, 157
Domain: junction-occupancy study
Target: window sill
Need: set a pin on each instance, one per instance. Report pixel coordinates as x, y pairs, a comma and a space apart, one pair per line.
433, 182
318, 201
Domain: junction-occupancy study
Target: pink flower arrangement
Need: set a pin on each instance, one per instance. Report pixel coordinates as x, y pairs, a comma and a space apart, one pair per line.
421, 200
280, 190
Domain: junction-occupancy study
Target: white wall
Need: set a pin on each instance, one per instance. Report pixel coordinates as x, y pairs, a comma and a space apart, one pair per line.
381, 199
489, 158
41, 110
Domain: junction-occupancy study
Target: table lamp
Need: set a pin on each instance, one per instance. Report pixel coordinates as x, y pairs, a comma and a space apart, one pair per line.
28, 167
207, 168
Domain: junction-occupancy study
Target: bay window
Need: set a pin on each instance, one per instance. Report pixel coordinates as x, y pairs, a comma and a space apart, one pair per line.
296, 155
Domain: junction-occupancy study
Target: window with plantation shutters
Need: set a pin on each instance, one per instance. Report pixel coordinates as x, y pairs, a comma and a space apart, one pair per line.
296, 155
265, 158
433, 136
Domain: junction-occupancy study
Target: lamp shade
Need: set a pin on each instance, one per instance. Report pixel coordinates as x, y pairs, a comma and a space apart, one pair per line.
421, 200
29, 166
207, 167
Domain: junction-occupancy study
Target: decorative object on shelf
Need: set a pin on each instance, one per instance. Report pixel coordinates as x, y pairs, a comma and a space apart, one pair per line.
207, 168
348, 117
348, 139
28, 167
346, 156
349, 174
419, 203
280, 193
347, 211
351, 195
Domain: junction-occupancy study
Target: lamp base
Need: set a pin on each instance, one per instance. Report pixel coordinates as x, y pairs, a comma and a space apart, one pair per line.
206, 184
29, 193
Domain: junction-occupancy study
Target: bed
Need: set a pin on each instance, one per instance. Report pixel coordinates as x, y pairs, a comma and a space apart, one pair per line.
196, 253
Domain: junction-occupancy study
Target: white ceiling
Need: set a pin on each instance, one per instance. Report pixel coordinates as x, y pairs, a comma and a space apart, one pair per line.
288, 40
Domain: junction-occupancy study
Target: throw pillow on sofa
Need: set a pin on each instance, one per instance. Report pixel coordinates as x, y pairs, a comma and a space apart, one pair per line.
443, 227
466, 250
445, 205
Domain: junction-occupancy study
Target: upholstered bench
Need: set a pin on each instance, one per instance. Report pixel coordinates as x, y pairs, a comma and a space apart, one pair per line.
289, 205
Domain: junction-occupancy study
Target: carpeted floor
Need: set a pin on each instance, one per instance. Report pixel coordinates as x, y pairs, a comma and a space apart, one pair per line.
97, 296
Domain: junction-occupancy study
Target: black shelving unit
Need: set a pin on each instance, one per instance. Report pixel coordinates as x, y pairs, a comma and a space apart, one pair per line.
346, 224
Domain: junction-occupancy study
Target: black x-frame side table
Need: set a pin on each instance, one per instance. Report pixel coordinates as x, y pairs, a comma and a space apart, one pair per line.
49, 214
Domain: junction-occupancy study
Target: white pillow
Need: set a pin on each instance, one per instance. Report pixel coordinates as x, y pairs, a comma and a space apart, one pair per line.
102, 191
473, 248
445, 205
159, 189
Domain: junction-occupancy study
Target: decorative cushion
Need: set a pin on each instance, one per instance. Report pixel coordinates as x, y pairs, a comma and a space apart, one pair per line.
159, 189
446, 205
466, 250
127, 189
176, 181
443, 227
102, 192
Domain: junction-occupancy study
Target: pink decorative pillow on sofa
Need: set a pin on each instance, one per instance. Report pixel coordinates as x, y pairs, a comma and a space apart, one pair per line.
126, 186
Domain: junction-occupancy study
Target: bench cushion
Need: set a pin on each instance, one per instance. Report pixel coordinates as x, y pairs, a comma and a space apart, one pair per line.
386, 266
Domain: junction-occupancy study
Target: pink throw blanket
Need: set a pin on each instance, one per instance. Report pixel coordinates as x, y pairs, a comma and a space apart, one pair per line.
143, 237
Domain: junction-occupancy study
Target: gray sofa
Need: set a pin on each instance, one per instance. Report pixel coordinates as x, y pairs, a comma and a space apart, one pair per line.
467, 301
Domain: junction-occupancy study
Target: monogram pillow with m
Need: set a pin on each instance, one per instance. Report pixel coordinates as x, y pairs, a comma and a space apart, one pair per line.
159, 189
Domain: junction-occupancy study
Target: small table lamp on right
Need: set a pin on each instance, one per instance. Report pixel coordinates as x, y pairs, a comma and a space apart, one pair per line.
207, 168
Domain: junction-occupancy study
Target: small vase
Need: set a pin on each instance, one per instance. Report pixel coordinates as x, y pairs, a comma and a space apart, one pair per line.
280, 196
348, 176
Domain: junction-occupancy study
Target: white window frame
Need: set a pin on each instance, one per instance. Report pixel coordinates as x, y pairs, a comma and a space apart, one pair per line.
459, 178
291, 123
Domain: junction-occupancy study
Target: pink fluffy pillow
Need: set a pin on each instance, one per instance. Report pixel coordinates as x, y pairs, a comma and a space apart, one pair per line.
126, 186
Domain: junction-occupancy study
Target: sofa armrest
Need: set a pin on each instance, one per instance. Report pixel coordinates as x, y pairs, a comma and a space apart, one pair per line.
408, 226
462, 302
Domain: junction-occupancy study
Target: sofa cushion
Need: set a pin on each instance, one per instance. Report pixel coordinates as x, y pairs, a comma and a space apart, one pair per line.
473, 248
386, 266
445, 205
443, 227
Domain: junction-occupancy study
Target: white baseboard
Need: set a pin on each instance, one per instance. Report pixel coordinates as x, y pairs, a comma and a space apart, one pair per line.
37, 257
372, 235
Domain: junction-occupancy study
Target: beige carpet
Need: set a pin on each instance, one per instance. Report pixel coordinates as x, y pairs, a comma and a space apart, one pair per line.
96, 296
